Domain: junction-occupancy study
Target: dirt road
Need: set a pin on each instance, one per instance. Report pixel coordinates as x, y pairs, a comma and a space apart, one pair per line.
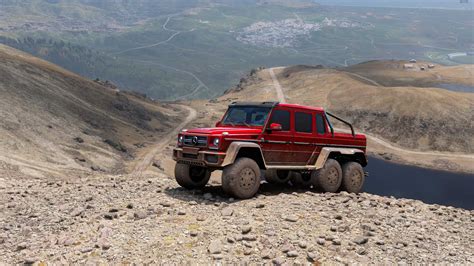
145, 161
175, 33
277, 86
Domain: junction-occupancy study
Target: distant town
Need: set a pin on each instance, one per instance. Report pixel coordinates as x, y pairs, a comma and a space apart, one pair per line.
286, 33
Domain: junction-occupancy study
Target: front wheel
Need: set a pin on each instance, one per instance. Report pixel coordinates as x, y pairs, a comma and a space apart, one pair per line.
329, 178
242, 178
191, 177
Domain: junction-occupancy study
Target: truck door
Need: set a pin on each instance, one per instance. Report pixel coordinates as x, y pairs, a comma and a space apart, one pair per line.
276, 145
323, 136
304, 137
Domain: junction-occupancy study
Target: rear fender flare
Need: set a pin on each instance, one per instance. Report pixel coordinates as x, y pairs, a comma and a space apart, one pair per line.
326, 152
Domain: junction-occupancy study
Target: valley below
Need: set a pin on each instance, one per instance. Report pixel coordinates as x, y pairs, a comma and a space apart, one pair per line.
94, 93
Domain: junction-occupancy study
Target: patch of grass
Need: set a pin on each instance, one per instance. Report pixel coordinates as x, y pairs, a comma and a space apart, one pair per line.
116, 145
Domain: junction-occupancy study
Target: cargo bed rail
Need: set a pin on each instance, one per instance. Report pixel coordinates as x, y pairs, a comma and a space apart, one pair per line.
340, 119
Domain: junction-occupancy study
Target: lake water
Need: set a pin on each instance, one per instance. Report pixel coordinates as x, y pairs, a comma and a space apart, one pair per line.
430, 186
456, 87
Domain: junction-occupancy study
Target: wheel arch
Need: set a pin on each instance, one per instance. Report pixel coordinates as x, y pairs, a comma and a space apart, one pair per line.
244, 149
342, 155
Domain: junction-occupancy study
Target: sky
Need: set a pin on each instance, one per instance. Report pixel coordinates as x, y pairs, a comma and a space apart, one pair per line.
450, 4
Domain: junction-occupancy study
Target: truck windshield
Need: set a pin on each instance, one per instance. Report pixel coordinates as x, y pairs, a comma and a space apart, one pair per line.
246, 115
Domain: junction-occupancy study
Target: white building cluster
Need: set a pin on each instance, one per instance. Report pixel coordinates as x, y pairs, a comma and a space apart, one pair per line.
286, 33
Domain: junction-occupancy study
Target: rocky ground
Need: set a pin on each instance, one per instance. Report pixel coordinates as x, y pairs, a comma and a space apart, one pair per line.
149, 219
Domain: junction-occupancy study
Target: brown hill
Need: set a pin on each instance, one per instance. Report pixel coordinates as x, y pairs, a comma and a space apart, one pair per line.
395, 73
53, 120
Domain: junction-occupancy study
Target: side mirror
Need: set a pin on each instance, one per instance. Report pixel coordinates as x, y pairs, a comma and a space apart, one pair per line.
218, 124
275, 127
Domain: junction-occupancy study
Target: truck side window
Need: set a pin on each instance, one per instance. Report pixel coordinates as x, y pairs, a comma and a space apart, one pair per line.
303, 122
281, 117
320, 125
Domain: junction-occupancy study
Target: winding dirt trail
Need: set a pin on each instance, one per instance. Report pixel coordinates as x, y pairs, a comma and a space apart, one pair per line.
277, 86
145, 161
175, 33
386, 144
371, 81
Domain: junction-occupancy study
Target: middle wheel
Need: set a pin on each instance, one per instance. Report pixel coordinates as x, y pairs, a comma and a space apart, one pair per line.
329, 178
242, 178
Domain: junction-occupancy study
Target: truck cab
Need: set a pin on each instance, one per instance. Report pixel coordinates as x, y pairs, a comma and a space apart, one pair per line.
288, 143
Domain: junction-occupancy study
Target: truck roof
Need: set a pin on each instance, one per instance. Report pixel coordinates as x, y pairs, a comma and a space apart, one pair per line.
273, 104
297, 106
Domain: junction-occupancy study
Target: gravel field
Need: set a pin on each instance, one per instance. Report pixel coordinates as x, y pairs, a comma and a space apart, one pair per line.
149, 219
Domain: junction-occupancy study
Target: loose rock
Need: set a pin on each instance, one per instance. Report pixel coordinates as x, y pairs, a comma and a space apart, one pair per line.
215, 247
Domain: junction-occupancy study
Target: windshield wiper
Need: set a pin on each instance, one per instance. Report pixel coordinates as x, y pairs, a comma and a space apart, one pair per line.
243, 124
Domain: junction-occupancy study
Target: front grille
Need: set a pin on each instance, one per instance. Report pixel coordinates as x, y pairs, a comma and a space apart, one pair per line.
199, 141
192, 163
190, 156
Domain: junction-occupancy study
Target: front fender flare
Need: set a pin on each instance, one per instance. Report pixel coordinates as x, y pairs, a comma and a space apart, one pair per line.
234, 148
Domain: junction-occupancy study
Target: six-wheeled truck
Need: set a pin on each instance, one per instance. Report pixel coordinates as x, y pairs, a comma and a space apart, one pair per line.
282, 143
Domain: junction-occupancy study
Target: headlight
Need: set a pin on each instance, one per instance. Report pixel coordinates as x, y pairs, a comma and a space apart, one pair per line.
215, 143
180, 139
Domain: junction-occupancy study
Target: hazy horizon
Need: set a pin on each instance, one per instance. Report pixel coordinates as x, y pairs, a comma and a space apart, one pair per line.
443, 4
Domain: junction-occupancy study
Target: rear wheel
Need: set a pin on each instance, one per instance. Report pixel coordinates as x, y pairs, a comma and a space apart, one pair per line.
191, 177
352, 177
242, 178
329, 178
302, 180
277, 176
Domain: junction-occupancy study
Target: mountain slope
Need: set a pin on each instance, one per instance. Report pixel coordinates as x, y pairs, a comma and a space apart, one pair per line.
393, 73
54, 120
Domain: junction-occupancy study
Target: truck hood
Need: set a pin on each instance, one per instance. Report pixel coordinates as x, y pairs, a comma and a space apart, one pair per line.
220, 130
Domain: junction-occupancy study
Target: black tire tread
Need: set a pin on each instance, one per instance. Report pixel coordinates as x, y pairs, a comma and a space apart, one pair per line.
347, 169
320, 180
272, 178
298, 180
231, 174
183, 177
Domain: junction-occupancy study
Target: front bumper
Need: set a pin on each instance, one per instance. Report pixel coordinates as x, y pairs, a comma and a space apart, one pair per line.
193, 156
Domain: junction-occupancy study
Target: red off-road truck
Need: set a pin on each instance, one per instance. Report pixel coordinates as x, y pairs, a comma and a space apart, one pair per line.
281, 142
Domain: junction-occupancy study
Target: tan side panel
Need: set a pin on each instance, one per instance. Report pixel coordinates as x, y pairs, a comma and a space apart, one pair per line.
234, 149
323, 156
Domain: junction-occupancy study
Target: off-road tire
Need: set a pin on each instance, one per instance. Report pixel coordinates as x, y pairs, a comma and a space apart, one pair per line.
353, 177
242, 178
191, 177
301, 180
328, 178
277, 176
